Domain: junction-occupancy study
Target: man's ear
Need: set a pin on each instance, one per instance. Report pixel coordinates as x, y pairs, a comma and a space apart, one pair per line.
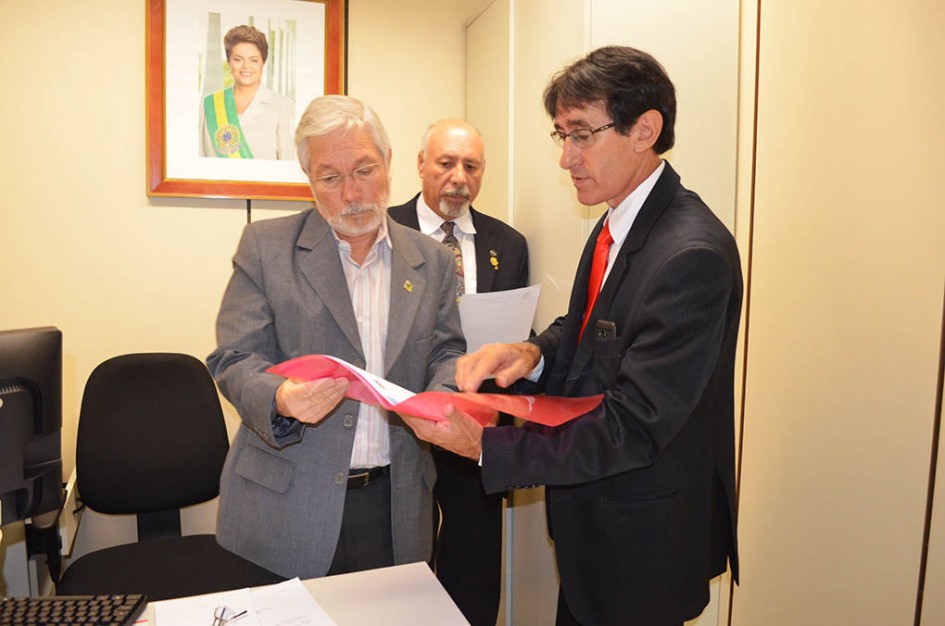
420, 162
647, 128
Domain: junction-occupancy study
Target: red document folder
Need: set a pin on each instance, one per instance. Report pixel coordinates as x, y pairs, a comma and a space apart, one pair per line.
365, 387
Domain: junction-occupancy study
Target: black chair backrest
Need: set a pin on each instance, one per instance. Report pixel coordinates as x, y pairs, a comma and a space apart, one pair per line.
151, 435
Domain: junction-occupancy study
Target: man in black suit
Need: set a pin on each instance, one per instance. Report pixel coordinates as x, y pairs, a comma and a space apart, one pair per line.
640, 491
492, 256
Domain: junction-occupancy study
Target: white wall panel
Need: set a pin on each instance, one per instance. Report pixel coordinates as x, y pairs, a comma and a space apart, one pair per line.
697, 42
487, 103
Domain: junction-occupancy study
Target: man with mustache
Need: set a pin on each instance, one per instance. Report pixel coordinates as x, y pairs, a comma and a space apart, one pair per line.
315, 483
493, 257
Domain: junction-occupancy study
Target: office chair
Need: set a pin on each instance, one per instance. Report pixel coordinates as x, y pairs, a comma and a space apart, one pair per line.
152, 440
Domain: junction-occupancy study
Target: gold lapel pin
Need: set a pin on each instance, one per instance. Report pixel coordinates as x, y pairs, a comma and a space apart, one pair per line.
494, 259
408, 286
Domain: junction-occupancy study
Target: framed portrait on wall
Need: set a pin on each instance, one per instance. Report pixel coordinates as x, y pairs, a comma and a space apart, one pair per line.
227, 81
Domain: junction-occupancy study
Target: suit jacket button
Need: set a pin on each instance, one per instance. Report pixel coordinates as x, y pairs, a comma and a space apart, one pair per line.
341, 478
349, 421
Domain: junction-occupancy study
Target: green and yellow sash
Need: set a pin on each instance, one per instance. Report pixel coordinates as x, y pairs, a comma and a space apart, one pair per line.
223, 124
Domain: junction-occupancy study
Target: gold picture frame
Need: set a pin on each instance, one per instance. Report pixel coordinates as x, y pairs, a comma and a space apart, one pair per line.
183, 63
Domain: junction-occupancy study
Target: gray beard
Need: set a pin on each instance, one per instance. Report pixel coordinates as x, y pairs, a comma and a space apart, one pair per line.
344, 226
453, 211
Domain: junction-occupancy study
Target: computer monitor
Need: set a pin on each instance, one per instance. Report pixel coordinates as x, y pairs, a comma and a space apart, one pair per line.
30, 422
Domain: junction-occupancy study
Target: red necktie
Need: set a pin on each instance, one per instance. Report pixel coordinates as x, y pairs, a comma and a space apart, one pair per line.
598, 267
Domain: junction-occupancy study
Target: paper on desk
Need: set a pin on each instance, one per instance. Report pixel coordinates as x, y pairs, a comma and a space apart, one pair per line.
198, 610
498, 316
288, 604
284, 604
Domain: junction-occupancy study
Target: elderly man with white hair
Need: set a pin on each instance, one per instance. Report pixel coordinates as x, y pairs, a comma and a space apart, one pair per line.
316, 483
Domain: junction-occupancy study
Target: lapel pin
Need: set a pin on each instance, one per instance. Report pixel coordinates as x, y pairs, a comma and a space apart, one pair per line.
494, 259
408, 286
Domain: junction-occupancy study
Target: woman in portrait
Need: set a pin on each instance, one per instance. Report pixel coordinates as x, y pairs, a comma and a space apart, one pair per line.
247, 120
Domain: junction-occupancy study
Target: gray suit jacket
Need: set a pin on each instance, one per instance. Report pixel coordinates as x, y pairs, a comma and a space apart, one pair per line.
282, 493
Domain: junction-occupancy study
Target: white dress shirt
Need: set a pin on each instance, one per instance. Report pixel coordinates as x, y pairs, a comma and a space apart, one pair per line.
369, 287
620, 219
464, 231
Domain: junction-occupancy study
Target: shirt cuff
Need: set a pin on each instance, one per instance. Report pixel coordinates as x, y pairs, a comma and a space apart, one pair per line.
283, 427
535, 374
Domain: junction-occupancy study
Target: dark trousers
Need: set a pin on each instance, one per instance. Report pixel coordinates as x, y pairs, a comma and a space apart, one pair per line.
468, 548
366, 540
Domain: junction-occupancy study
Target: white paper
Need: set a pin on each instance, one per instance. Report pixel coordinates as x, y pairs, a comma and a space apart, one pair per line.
392, 392
288, 604
198, 610
498, 316
285, 604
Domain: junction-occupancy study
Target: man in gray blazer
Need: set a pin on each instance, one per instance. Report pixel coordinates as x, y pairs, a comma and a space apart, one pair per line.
315, 483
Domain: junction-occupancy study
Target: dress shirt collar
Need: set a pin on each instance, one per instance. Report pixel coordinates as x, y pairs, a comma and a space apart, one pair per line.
430, 222
622, 216
383, 236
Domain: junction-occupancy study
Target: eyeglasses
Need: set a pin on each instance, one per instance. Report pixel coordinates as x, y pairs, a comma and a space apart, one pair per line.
580, 138
360, 176
224, 615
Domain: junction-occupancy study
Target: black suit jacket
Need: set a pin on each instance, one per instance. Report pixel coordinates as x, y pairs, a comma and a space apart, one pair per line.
494, 239
641, 491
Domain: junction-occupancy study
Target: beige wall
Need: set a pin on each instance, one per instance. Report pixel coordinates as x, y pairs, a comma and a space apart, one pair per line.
544, 210
846, 313
488, 103
408, 60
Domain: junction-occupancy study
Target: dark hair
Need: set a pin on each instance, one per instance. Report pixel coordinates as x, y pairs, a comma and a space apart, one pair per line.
627, 81
245, 34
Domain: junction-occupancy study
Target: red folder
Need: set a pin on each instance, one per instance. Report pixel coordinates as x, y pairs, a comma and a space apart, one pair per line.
547, 410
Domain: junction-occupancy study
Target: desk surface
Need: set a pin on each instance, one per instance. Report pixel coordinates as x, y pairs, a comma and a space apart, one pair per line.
403, 595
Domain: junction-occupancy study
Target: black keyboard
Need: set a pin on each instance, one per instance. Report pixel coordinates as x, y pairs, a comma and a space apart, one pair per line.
115, 610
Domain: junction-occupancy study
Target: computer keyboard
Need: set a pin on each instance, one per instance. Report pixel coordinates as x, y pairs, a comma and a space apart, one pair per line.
114, 610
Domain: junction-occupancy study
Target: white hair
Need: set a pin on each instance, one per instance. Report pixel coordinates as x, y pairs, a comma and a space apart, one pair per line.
327, 114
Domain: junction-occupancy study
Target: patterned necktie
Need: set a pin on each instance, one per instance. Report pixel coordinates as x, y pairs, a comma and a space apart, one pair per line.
453, 244
598, 267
